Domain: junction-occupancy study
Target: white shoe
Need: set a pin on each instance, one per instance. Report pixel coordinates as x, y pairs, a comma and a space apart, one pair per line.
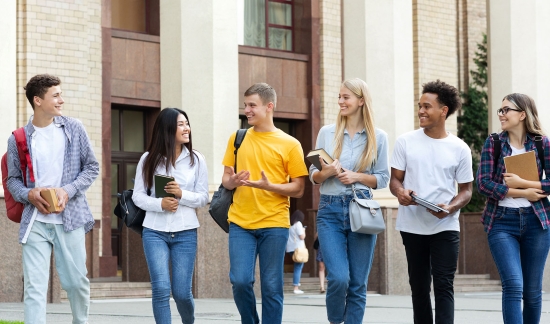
298, 291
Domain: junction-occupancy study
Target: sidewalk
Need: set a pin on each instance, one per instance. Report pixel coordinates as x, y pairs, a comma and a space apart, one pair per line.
309, 308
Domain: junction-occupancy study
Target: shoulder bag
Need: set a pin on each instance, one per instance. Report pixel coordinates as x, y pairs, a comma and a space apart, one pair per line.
223, 198
301, 254
365, 215
131, 215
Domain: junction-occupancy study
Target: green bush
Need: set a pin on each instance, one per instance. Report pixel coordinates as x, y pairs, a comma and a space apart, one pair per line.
10, 322
472, 121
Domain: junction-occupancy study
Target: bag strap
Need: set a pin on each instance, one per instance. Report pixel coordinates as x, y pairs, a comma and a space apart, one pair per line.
496, 151
24, 155
239, 137
540, 152
355, 192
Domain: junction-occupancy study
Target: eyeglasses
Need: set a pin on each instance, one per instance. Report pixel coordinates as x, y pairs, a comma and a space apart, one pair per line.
505, 110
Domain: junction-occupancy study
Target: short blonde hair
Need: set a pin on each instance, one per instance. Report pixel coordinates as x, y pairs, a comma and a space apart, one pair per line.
264, 91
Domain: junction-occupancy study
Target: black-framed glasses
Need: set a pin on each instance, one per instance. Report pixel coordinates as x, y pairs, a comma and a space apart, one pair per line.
505, 110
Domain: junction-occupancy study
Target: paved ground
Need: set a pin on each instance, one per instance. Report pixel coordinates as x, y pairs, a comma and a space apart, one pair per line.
470, 308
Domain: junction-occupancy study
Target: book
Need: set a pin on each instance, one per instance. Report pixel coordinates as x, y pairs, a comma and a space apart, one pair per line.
427, 204
51, 197
313, 157
523, 165
160, 183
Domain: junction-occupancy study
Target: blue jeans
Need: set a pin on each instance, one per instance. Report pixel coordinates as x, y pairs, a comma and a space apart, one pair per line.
348, 257
297, 273
244, 247
178, 250
70, 261
519, 246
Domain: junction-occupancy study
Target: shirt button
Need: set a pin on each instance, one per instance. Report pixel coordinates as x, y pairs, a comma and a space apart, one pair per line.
172, 235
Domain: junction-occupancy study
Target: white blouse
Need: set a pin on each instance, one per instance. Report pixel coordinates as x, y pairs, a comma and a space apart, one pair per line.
193, 182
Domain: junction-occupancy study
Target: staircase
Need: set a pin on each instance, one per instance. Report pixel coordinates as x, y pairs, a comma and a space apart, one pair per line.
476, 283
108, 288
307, 285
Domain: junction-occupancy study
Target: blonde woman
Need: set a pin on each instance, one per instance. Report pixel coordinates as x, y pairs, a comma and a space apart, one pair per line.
517, 210
360, 153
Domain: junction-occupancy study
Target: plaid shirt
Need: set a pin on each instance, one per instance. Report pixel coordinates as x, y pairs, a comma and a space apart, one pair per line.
495, 190
80, 169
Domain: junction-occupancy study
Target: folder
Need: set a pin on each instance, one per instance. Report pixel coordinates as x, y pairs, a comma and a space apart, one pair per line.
523, 165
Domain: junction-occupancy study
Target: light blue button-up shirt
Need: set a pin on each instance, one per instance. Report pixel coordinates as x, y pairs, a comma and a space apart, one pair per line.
351, 153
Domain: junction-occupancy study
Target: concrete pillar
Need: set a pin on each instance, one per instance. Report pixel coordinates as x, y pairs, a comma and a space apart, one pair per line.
378, 48
199, 72
8, 75
518, 33
518, 47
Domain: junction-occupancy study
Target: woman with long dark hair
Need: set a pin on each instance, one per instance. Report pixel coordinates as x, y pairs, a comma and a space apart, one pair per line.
170, 225
516, 216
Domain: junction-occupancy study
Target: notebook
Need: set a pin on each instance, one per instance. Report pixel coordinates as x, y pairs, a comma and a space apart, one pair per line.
160, 183
523, 165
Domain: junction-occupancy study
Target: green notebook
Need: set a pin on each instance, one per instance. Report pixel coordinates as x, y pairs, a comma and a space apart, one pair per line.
160, 183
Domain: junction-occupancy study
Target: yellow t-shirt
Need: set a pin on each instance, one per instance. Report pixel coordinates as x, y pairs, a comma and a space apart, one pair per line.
281, 157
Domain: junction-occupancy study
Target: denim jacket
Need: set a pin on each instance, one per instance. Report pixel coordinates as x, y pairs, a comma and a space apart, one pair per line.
80, 169
351, 153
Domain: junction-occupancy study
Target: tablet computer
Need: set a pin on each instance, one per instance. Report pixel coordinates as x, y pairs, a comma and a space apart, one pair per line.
427, 204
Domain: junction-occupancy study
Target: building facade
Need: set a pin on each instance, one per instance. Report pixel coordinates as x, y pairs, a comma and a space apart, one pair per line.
121, 61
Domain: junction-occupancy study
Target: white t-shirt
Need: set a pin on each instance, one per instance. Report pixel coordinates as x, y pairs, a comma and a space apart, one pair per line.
432, 168
48, 153
294, 240
515, 202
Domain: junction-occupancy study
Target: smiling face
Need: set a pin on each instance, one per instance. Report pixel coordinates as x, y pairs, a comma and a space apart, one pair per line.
349, 104
183, 130
51, 105
512, 118
430, 112
255, 110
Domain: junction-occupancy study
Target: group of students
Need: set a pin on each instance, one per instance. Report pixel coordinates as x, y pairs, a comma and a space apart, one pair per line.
430, 162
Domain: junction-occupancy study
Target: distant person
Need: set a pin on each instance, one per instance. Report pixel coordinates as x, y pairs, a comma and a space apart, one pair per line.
296, 236
170, 225
320, 265
430, 162
360, 153
271, 169
63, 159
516, 217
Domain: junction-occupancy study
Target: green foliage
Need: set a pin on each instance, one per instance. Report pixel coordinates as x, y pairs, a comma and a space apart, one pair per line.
473, 120
10, 322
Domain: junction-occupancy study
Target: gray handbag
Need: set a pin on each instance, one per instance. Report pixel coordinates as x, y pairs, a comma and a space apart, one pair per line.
365, 215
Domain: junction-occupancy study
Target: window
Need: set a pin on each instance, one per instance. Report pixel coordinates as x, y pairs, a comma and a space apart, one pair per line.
254, 31
142, 16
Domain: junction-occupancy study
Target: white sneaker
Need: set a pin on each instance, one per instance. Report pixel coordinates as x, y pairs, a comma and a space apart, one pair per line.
298, 291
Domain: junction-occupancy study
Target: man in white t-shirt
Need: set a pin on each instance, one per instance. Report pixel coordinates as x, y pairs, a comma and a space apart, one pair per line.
430, 162
62, 159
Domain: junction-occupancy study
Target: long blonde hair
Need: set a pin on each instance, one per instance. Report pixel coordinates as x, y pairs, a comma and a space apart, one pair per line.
368, 158
527, 104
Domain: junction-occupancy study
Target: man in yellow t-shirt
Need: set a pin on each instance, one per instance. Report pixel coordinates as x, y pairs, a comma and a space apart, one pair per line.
270, 169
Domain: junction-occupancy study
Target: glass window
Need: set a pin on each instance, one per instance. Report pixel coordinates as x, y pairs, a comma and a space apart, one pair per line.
253, 29
133, 131
115, 130
129, 15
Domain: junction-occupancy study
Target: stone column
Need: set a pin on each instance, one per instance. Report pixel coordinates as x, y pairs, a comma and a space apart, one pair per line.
200, 74
8, 75
518, 47
378, 48
518, 33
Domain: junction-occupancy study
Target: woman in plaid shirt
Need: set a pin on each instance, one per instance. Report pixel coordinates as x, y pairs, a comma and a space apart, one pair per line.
516, 214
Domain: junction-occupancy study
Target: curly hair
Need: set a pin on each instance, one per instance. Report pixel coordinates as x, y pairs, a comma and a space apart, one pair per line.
447, 95
38, 85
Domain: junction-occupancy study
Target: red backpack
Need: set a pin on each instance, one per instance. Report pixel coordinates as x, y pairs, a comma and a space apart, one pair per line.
14, 208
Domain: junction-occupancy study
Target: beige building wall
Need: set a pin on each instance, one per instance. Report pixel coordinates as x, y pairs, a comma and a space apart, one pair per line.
63, 38
331, 59
435, 47
8, 72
